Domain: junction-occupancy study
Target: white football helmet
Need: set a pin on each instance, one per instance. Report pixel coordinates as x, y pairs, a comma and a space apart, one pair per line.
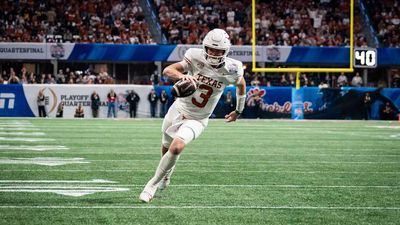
216, 39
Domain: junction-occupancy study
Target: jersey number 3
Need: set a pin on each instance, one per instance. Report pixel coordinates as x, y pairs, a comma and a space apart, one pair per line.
205, 96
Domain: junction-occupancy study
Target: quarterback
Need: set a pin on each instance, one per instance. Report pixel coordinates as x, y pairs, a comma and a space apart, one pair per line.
211, 70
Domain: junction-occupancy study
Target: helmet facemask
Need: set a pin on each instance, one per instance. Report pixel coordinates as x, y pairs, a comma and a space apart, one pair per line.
214, 59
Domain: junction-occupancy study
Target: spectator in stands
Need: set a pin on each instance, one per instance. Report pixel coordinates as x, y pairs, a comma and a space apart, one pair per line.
133, 99
103, 75
304, 80
283, 81
79, 112
303, 23
63, 21
164, 103
111, 102
155, 78
367, 106
387, 112
256, 103
5, 77
292, 81
396, 80
13, 78
95, 104
342, 80
23, 79
153, 99
323, 85
60, 110
41, 102
229, 102
255, 82
32, 78
385, 16
357, 80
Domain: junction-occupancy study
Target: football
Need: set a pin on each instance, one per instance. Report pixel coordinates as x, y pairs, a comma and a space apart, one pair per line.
183, 88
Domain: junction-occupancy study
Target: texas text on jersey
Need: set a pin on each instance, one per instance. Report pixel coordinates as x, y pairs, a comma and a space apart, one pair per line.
212, 82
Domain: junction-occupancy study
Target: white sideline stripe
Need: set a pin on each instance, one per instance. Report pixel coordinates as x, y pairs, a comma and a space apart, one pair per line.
206, 171
239, 154
15, 122
23, 133
385, 127
25, 139
67, 191
60, 181
213, 185
32, 148
44, 161
16, 125
196, 207
247, 162
263, 186
19, 128
20, 188
223, 154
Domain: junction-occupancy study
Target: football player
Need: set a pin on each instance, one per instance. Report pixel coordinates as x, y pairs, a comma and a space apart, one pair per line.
187, 118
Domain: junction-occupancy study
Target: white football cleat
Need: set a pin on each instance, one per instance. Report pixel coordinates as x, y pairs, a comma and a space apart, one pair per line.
147, 194
164, 183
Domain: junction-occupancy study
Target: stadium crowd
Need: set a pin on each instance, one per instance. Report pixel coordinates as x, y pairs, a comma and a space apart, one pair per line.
186, 22
285, 22
89, 21
62, 77
303, 23
385, 15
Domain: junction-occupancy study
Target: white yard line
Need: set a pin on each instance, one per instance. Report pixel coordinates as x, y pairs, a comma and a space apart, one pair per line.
23, 133
44, 161
24, 139
16, 125
205, 171
60, 181
253, 161
196, 207
19, 128
28, 184
223, 154
32, 148
291, 186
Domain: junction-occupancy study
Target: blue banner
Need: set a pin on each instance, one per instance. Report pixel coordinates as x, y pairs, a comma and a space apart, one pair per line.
13, 102
320, 55
261, 102
388, 56
123, 52
311, 103
352, 103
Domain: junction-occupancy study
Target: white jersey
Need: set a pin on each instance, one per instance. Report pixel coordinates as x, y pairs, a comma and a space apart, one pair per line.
212, 82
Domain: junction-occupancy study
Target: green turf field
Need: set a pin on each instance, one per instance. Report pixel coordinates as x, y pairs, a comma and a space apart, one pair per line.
249, 172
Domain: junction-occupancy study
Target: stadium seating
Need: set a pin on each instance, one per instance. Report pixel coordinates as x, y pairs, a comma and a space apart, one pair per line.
286, 22
385, 16
89, 21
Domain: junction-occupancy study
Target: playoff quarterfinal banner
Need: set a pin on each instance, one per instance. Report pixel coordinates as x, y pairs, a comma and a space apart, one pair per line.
20, 100
172, 53
241, 53
35, 51
150, 53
